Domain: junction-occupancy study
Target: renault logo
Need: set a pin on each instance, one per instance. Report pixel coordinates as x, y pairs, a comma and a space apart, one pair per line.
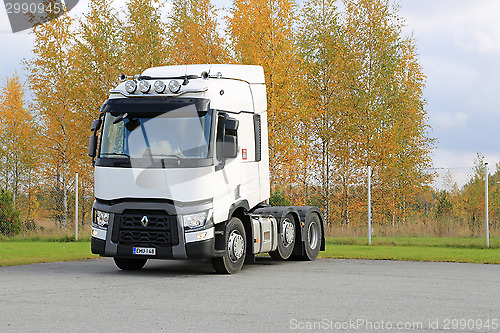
144, 221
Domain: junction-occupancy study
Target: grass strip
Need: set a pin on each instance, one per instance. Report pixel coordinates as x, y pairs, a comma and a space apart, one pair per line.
36, 238
29, 252
19, 252
412, 253
472, 243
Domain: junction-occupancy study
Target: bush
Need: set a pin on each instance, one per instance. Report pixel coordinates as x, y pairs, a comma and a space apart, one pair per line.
278, 198
10, 222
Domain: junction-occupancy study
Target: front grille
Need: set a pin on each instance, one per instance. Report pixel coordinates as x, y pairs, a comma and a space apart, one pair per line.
160, 230
134, 236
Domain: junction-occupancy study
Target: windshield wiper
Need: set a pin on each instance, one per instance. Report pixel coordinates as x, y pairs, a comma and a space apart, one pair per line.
120, 118
116, 154
169, 159
168, 155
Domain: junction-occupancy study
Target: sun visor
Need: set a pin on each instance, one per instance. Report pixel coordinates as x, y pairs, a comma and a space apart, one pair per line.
154, 106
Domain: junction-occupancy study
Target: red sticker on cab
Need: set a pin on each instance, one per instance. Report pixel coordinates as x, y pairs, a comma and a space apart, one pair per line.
244, 154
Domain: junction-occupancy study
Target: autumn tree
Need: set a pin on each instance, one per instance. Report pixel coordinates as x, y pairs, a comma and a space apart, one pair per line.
10, 221
98, 61
52, 82
344, 91
373, 39
470, 204
325, 106
409, 156
388, 97
99, 52
261, 33
193, 35
494, 197
18, 141
143, 37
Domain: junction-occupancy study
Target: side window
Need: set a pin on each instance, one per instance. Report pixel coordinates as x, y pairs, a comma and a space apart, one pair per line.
227, 137
219, 135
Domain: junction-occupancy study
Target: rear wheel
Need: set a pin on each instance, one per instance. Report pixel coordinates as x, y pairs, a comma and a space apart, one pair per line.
312, 243
130, 264
286, 238
235, 248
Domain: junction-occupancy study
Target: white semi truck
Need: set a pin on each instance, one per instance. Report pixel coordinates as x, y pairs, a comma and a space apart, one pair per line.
182, 171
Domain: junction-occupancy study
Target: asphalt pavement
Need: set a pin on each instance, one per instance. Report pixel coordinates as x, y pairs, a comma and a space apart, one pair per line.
187, 296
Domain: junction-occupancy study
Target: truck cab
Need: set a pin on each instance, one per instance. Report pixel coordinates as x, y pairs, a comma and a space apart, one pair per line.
182, 171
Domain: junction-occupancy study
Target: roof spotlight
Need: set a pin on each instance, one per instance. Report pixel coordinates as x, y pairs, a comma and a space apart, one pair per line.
130, 86
144, 86
174, 86
159, 86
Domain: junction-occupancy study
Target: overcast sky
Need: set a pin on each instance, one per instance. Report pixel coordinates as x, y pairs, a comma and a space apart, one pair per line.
459, 47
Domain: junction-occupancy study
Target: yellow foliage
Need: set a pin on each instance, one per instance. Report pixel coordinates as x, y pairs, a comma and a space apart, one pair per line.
18, 142
344, 91
193, 37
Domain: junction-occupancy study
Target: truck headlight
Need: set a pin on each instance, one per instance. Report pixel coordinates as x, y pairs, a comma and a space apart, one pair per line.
197, 220
101, 218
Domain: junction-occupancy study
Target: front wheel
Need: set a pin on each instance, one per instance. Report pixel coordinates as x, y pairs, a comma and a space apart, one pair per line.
130, 264
235, 249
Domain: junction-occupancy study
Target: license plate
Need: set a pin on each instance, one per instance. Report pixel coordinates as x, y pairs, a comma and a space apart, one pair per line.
145, 251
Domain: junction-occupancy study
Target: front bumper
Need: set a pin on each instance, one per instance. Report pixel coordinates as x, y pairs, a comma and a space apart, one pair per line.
165, 234
199, 250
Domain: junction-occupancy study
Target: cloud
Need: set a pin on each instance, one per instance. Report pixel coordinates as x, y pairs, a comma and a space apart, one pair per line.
4, 21
20, 44
448, 74
444, 158
470, 25
19, 49
445, 120
459, 45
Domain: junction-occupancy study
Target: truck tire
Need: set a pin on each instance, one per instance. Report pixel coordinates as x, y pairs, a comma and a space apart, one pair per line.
287, 233
312, 241
130, 264
235, 248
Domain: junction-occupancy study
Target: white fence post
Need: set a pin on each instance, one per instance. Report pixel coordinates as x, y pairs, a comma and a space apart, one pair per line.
76, 205
486, 204
369, 205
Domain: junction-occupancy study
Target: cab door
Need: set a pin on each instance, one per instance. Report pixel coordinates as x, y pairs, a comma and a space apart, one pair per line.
227, 179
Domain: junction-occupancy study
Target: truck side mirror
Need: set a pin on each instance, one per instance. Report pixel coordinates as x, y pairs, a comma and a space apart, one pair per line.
96, 125
93, 145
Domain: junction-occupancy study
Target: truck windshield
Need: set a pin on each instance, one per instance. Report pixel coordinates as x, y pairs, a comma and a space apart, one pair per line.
179, 134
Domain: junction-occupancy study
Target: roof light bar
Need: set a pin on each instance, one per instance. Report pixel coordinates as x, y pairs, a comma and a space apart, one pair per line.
174, 86
159, 86
144, 86
130, 86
